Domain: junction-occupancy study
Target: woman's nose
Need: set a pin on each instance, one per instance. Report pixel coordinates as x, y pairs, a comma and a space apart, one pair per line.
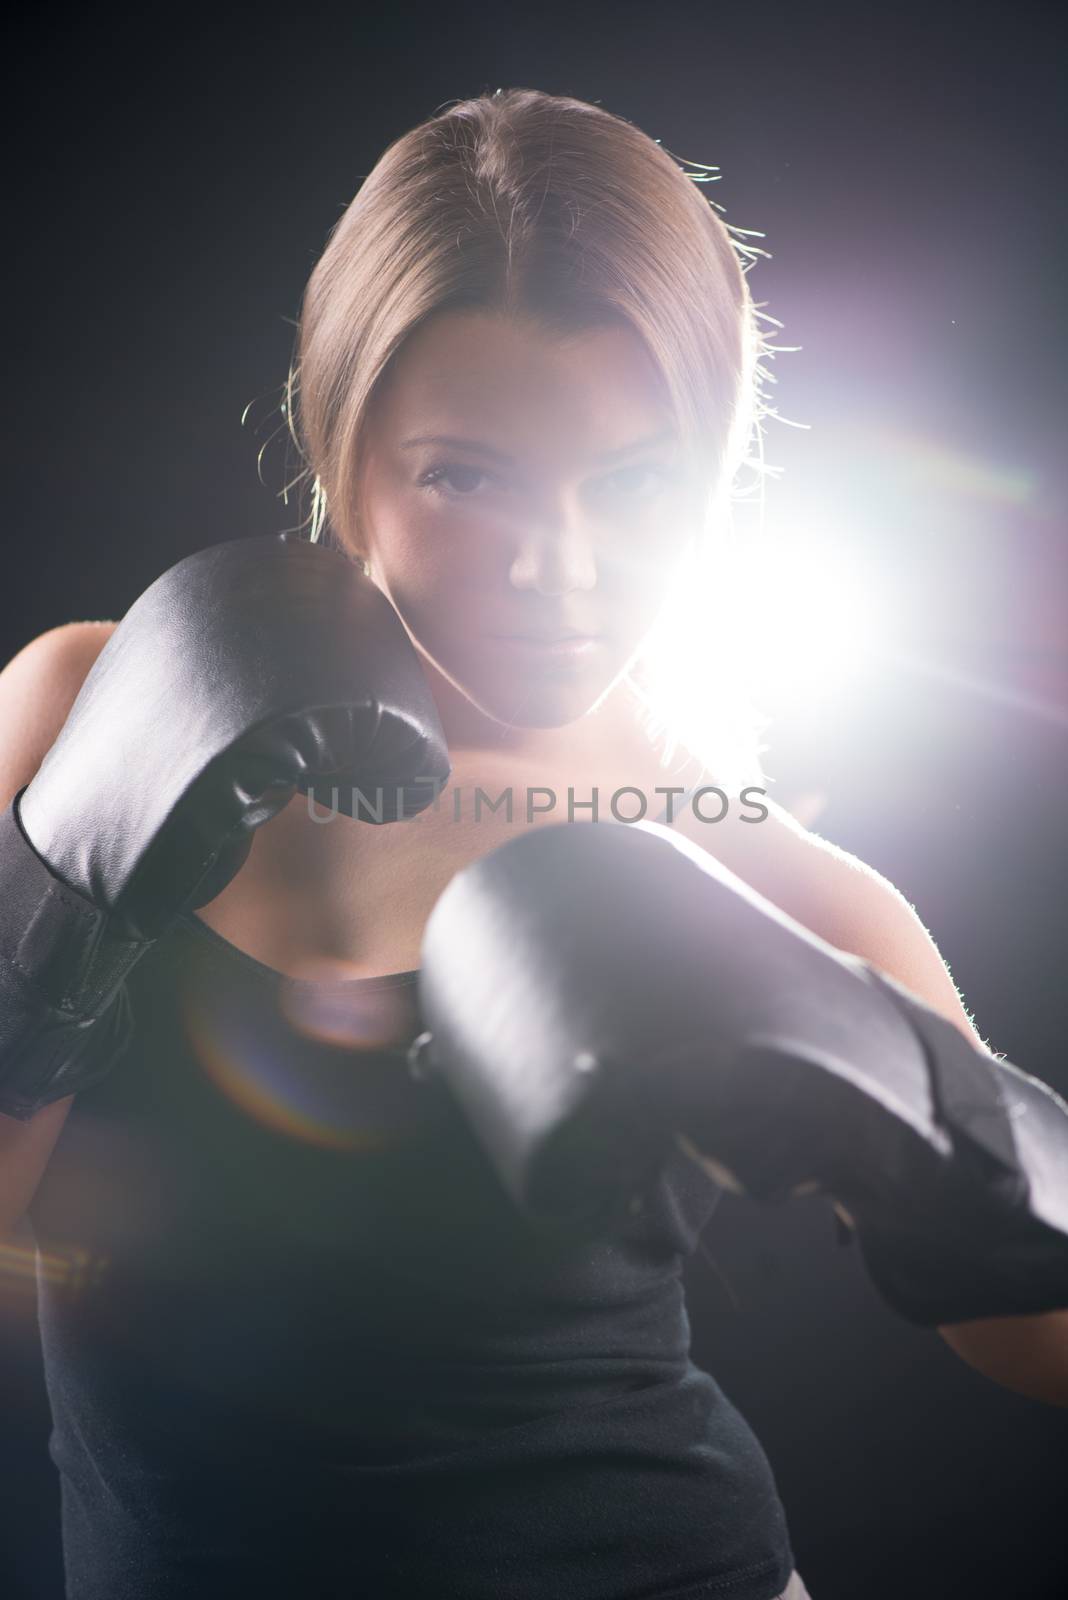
554, 561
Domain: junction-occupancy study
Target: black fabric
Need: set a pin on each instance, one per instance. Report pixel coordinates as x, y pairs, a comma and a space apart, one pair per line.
298, 1341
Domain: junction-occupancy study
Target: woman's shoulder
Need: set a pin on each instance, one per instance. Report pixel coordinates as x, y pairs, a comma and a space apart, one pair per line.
54, 664
827, 889
838, 897
38, 686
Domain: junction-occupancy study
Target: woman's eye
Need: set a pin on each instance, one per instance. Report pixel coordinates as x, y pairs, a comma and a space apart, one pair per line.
638, 482
458, 480
454, 477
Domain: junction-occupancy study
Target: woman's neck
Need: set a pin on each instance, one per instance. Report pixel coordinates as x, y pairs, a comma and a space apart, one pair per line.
611, 732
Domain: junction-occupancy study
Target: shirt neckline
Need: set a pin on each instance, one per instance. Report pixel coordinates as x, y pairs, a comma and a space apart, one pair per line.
386, 980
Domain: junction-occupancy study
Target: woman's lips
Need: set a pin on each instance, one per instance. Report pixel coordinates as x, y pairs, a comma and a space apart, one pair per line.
565, 647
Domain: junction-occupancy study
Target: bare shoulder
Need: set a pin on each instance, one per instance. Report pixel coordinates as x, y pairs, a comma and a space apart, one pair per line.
67, 650
836, 895
38, 686
809, 877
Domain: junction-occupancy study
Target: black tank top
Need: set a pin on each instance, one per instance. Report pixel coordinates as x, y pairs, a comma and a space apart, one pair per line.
298, 1342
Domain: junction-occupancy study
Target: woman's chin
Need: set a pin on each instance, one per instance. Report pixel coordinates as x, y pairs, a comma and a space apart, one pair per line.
538, 711
541, 696
538, 705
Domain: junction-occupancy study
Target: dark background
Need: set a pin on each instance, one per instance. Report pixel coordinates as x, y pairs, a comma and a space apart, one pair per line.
170, 183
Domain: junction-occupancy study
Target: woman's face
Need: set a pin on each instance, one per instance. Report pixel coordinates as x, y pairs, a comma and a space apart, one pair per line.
518, 486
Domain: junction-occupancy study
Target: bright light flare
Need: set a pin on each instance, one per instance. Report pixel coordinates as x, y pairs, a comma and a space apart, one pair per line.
804, 623
788, 623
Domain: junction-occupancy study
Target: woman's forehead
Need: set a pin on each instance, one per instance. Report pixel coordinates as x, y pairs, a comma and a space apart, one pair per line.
503, 377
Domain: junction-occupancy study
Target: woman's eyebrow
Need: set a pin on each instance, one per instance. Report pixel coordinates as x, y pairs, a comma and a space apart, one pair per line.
479, 447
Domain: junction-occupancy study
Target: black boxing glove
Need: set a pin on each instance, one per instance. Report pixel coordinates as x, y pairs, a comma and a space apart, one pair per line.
248, 671
594, 992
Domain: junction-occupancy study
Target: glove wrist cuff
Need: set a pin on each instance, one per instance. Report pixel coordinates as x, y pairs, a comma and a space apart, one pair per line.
62, 964
980, 1233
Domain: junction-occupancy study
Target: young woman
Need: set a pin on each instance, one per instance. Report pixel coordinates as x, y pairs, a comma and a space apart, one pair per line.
296, 1339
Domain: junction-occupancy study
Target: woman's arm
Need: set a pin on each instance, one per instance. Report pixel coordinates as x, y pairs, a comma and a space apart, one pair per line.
858, 910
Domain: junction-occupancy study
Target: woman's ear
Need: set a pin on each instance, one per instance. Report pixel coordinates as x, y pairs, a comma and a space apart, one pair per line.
346, 547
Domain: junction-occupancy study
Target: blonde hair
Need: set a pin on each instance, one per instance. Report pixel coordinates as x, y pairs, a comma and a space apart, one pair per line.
547, 207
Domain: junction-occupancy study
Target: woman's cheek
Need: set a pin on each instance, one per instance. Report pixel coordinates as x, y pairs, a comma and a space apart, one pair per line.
408, 552
427, 573
431, 542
